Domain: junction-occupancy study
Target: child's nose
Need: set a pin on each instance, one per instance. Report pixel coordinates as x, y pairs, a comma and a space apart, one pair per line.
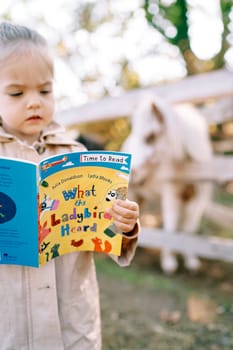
34, 101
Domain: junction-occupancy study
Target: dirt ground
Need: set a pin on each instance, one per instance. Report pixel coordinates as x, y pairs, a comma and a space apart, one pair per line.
142, 309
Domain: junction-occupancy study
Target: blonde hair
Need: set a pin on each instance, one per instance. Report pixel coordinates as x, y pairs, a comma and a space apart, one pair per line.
20, 39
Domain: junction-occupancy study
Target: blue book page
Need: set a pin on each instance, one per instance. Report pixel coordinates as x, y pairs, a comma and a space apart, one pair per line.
18, 213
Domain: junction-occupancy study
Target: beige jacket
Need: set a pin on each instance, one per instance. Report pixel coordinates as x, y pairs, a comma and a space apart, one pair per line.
54, 307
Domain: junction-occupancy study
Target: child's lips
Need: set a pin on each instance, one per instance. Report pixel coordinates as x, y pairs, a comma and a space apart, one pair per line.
34, 117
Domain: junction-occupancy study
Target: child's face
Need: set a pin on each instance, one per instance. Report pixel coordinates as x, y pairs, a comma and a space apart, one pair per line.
26, 95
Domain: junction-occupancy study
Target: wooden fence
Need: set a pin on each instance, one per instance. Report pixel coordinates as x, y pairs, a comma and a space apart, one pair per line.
216, 88
217, 85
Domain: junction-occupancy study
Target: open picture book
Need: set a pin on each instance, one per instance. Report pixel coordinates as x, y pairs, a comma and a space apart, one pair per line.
59, 206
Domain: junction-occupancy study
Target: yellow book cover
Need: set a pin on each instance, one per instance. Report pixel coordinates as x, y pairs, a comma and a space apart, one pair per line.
75, 189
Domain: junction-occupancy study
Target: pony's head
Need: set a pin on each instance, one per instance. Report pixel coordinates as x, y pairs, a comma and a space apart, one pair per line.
150, 138
164, 133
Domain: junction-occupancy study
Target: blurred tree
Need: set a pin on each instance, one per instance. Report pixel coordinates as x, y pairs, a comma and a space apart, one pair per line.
171, 19
91, 16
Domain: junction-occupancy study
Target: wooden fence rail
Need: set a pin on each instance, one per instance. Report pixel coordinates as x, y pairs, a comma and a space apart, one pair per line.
206, 247
195, 89
219, 170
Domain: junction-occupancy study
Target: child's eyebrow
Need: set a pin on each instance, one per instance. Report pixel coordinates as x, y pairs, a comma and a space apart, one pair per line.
14, 85
49, 83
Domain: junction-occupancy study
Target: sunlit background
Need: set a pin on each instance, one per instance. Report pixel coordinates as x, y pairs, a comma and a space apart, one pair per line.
103, 47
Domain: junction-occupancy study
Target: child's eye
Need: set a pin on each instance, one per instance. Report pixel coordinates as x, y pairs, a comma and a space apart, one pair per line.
15, 94
44, 92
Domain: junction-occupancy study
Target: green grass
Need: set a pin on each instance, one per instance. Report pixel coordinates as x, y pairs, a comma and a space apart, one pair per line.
132, 298
181, 284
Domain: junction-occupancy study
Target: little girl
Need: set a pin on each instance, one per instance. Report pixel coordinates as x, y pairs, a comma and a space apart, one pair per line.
54, 307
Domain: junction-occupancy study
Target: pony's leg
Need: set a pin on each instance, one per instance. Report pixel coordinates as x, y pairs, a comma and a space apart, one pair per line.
193, 212
170, 205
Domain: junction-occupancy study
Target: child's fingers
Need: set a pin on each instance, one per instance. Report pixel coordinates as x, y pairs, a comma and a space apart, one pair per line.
125, 214
126, 208
125, 227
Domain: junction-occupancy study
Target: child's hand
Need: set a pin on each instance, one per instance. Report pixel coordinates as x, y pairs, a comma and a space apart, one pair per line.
125, 214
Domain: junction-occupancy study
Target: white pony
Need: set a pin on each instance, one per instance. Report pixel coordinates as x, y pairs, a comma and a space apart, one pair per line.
163, 137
